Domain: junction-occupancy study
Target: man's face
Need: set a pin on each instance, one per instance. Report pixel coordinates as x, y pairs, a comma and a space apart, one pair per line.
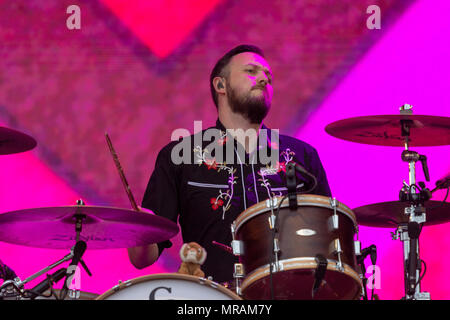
249, 86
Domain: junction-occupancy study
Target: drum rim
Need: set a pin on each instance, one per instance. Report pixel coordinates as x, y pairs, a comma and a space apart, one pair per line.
168, 276
324, 202
305, 263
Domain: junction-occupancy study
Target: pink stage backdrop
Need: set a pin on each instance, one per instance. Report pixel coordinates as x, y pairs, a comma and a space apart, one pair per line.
139, 70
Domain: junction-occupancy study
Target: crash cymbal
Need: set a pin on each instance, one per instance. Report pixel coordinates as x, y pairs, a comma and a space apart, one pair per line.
391, 214
12, 141
386, 130
102, 227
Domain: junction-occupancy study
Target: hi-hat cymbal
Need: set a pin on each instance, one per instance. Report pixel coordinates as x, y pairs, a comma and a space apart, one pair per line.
102, 227
386, 130
391, 214
12, 141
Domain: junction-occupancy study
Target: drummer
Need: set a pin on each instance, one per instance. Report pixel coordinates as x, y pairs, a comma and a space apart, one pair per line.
204, 183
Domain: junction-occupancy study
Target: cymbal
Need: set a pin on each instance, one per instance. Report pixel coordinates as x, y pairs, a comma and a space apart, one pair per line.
391, 214
385, 130
102, 227
12, 141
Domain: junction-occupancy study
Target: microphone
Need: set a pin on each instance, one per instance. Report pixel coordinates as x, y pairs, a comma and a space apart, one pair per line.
301, 169
78, 251
45, 284
373, 255
291, 184
443, 183
372, 250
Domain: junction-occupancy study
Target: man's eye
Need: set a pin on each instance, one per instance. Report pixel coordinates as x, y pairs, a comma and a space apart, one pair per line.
250, 70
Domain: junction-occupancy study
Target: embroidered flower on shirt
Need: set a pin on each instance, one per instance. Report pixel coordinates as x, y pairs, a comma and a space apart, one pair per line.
281, 166
216, 203
288, 155
224, 198
211, 164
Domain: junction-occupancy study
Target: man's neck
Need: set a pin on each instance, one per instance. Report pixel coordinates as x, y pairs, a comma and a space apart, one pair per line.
234, 122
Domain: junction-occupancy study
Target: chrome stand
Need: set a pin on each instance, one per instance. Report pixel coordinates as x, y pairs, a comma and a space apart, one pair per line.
409, 232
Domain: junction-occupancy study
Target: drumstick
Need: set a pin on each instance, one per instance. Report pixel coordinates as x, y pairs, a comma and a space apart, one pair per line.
121, 174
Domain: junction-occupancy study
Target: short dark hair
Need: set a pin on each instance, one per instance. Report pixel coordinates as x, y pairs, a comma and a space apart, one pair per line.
223, 62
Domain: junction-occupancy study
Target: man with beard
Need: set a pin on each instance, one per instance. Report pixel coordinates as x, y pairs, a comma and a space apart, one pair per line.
206, 193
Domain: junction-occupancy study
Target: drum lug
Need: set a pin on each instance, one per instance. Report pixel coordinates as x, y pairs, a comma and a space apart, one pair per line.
272, 219
238, 275
339, 265
271, 202
336, 249
333, 204
333, 222
278, 266
334, 219
238, 247
357, 247
233, 229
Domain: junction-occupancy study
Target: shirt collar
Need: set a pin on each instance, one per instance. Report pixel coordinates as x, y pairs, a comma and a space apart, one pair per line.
221, 127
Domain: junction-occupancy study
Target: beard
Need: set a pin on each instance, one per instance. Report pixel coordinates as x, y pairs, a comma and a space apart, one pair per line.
253, 108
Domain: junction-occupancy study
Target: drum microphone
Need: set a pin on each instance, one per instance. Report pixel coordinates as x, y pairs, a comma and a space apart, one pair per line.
78, 251
372, 251
291, 184
45, 284
302, 170
444, 183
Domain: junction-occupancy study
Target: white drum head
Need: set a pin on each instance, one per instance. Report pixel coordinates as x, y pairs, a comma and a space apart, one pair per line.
168, 286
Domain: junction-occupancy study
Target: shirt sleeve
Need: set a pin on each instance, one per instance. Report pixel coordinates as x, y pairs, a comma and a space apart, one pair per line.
161, 194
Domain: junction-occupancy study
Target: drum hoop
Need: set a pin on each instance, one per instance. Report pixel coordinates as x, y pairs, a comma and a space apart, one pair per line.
302, 200
169, 276
295, 263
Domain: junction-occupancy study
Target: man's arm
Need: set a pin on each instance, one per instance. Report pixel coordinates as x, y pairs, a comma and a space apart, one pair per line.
161, 197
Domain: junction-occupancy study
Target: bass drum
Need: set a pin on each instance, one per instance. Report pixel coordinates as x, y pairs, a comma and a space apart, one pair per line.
320, 226
169, 286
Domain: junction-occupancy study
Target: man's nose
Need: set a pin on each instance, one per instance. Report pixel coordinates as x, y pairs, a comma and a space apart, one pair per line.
263, 79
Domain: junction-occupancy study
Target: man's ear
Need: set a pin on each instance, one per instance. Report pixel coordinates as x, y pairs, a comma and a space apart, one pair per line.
219, 84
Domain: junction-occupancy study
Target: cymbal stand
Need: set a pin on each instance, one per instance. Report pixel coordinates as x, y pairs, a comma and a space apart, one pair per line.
17, 286
409, 232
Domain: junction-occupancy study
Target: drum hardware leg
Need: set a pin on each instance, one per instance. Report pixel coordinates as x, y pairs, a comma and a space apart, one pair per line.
409, 234
238, 276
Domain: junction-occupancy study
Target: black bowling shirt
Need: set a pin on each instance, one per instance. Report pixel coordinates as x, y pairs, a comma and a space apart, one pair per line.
205, 196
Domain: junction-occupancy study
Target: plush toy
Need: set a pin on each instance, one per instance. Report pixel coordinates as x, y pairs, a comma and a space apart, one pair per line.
193, 256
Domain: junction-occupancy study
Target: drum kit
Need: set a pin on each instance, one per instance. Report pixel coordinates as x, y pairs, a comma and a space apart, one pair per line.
304, 248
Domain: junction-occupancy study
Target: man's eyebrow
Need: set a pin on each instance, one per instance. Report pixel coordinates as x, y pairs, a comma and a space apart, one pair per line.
259, 67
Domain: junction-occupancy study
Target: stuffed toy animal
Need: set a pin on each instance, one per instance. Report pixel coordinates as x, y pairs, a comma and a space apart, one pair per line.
193, 256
